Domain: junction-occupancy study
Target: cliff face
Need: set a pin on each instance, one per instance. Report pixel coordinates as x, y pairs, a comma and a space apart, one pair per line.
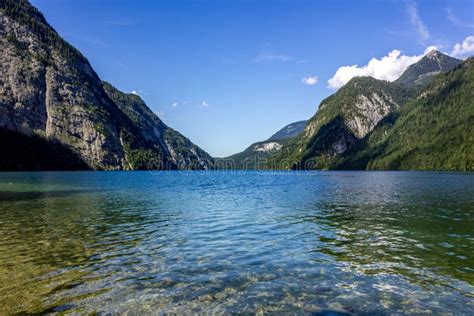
48, 88
54, 92
362, 103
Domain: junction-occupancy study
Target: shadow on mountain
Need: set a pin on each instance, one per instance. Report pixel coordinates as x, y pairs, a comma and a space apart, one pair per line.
323, 149
33, 153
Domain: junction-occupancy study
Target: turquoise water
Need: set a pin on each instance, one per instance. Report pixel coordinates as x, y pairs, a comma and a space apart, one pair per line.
237, 242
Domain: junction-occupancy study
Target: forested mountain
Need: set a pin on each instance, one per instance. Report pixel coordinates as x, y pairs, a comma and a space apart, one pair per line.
433, 131
57, 114
49, 90
407, 124
342, 119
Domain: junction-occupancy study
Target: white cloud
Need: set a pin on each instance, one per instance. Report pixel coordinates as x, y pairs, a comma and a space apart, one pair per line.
134, 92
464, 48
417, 22
175, 104
457, 22
310, 80
204, 104
388, 68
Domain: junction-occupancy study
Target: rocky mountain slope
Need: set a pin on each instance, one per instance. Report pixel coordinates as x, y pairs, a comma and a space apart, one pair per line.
342, 119
345, 119
48, 89
176, 149
433, 131
257, 154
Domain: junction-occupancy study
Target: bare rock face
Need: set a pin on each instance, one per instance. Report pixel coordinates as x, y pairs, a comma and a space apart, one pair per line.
48, 88
369, 111
358, 107
267, 147
45, 93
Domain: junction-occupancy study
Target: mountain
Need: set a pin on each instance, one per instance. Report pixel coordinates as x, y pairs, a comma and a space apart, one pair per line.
347, 118
289, 131
420, 73
341, 120
433, 131
257, 154
23, 152
48, 89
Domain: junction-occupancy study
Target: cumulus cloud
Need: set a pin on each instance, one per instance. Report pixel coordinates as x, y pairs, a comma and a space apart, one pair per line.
388, 68
464, 48
310, 80
417, 22
204, 104
134, 92
175, 104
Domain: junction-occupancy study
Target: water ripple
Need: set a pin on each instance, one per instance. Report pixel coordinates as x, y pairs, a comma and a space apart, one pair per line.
299, 243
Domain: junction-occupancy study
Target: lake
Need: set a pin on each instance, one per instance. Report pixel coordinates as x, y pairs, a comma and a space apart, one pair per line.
330, 243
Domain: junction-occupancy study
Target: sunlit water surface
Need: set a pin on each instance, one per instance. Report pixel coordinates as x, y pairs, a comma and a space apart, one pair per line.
231, 242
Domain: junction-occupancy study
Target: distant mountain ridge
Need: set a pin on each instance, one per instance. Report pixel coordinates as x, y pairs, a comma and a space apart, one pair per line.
289, 131
256, 155
49, 90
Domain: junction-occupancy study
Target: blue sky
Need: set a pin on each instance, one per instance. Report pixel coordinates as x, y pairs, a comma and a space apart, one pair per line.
231, 72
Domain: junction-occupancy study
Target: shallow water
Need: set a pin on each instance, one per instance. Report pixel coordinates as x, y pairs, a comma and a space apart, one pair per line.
230, 242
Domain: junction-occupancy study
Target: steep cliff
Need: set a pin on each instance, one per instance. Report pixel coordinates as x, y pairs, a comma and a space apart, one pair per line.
49, 89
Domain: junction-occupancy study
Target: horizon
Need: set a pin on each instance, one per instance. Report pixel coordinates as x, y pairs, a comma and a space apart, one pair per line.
217, 69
